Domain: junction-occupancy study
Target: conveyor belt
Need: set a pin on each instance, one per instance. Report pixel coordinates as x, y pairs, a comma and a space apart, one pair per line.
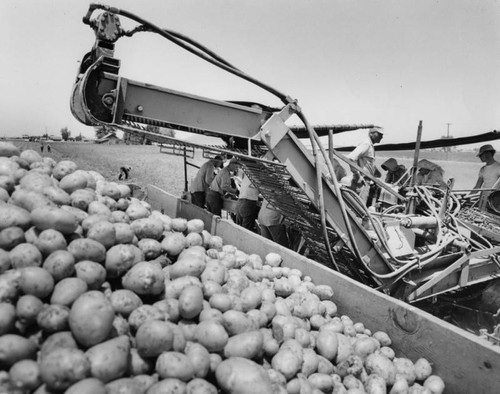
273, 182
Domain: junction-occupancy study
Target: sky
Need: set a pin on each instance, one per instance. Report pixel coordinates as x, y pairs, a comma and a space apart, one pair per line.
390, 63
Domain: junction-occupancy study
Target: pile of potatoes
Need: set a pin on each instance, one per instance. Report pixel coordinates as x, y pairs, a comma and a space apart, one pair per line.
101, 294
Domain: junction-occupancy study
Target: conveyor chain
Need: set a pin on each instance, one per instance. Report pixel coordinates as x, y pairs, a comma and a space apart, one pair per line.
273, 181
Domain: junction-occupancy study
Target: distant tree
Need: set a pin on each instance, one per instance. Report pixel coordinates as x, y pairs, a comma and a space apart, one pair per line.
78, 137
65, 133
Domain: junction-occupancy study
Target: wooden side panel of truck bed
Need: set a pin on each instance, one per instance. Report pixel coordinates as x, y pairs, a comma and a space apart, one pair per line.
467, 363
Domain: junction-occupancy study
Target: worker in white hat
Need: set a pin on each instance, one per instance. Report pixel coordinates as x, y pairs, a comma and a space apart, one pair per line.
364, 156
489, 174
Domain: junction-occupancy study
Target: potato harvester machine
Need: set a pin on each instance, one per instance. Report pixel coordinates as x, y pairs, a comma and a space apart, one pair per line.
416, 249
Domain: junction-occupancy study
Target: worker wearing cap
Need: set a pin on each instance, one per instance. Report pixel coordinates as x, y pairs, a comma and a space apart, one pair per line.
364, 156
430, 174
220, 186
202, 180
489, 174
395, 171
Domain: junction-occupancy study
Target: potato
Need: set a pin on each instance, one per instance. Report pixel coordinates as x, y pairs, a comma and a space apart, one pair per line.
92, 273
190, 302
4, 195
25, 255
63, 168
14, 348
60, 264
67, 291
7, 149
147, 228
36, 281
242, 376
382, 337
27, 308
35, 181
53, 318
150, 248
79, 213
91, 318
63, 367
248, 345
189, 265
154, 337
423, 369
30, 200
199, 358
212, 335
58, 340
103, 232
123, 233
87, 386
25, 374
123, 386
173, 243
145, 278
74, 181
14, 216
82, 198
120, 258
200, 386
5, 263
137, 211
87, 249
125, 301
382, 366
49, 241
434, 384
405, 368
56, 195
174, 365
109, 360
11, 237
169, 385
142, 314
7, 317
54, 218
327, 344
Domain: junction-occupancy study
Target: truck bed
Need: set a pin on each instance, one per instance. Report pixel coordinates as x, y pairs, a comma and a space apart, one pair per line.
466, 362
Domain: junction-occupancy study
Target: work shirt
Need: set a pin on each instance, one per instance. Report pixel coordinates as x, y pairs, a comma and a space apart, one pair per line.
490, 175
247, 190
364, 156
203, 178
222, 182
268, 216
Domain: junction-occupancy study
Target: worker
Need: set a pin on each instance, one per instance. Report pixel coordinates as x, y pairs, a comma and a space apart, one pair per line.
430, 174
395, 171
220, 186
364, 156
489, 174
202, 180
246, 207
271, 224
124, 170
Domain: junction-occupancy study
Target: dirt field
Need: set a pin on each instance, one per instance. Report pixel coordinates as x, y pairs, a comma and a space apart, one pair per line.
150, 166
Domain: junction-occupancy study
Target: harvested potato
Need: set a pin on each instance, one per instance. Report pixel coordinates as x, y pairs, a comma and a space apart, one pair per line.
154, 337
53, 318
27, 308
243, 376
14, 216
145, 278
173, 243
150, 248
91, 318
54, 218
63, 168
60, 264
109, 360
56, 195
25, 374
49, 241
92, 273
87, 386
36, 281
103, 232
125, 301
67, 291
11, 237
87, 249
25, 255
174, 365
7, 317
82, 198
169, 385
212, 335
120, 258
14, 348
423, 369
58, 340
190, 302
